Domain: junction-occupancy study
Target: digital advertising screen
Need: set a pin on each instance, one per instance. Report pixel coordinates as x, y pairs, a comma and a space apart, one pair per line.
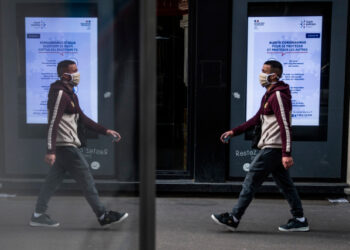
49, 40
296, 42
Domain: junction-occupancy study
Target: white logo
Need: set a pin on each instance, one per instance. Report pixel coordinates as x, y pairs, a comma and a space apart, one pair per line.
95, 165
246, 167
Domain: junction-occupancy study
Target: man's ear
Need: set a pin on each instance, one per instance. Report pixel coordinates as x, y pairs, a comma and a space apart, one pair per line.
274, 76
65, 77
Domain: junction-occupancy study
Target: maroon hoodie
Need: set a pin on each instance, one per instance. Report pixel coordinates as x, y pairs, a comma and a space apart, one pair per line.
275, 116
63, 114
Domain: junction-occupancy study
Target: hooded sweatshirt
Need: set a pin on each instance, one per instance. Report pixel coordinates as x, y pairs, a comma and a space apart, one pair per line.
275, 117
63, 115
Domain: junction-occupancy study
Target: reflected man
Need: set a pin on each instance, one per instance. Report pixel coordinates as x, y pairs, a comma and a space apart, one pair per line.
63, 153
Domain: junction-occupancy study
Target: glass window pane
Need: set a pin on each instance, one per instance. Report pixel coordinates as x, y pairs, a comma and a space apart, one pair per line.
40, 117
172, 87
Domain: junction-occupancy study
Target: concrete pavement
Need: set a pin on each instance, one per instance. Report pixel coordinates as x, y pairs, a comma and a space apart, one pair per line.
185, 224
182, 223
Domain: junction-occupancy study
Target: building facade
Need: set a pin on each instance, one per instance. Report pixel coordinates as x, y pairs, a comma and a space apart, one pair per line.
203, 71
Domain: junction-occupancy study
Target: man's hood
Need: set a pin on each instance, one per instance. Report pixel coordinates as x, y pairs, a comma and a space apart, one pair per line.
59, 85
282, 87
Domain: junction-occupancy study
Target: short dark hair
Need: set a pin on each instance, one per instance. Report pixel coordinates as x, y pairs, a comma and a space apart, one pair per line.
63, 65
276, 67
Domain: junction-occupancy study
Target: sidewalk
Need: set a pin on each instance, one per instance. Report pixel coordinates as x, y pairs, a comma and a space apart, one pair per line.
182, 223
185, 224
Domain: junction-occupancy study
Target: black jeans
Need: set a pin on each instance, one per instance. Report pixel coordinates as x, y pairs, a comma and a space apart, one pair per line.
71, 160
268, 161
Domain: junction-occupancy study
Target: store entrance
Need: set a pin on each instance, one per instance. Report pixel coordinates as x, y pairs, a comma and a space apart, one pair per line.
172, 87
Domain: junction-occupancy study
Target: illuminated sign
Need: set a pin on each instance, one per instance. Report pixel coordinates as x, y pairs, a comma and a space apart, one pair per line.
296, 42
48, 41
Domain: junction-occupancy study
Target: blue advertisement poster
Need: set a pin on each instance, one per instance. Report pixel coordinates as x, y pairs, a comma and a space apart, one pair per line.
296, 42
48, 41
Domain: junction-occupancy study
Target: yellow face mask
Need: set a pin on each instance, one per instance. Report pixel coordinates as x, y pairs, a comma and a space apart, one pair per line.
264, 79
75, 78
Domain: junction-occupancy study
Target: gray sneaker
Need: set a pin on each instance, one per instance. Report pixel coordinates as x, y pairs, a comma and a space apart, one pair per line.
295, 225
43, 221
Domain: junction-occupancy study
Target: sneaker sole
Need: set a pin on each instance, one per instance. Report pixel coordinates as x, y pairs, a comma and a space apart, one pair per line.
222, 224
126, 215
36, 224
300, 229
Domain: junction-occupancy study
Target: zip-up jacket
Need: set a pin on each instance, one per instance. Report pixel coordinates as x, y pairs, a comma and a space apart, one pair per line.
275, 117
63, 115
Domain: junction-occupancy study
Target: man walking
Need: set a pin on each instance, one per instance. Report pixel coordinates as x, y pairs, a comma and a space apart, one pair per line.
63, 154
274, 157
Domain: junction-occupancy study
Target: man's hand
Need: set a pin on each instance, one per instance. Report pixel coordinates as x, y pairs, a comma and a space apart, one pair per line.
115, 134
50, 159
287, 162
225, 135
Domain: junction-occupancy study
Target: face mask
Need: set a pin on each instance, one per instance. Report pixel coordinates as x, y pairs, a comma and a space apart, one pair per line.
264, 79
75, 78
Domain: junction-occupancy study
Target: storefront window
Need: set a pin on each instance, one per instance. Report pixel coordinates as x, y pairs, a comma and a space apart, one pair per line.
172, 85
99, 39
